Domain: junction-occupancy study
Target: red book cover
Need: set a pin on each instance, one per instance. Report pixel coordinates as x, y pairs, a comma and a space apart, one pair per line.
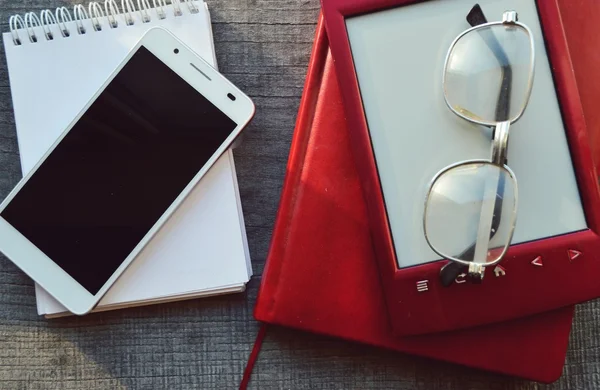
321, 275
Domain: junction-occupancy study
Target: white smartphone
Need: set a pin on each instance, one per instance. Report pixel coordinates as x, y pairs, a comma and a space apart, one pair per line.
120, 169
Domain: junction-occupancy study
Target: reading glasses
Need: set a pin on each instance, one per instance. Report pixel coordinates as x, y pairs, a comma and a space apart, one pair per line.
471, 206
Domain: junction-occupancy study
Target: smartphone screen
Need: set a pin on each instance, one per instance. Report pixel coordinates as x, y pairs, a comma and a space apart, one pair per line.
118, 170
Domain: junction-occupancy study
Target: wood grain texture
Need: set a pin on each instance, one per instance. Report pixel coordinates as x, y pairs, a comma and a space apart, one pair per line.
264, 47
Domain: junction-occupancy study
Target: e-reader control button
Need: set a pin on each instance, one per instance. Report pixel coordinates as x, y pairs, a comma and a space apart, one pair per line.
499, 271
422, 286
460, 279
573, 254
538, 262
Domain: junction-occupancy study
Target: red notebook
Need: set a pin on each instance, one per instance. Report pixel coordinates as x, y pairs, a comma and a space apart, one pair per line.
321, 275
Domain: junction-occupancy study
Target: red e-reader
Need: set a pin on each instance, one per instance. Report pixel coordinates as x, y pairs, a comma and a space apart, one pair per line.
392, 59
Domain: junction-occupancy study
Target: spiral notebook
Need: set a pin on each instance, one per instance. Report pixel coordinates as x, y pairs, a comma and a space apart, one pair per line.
56, 62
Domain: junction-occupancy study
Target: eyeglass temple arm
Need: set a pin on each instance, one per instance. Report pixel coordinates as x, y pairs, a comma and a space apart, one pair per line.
475, 18
452, 270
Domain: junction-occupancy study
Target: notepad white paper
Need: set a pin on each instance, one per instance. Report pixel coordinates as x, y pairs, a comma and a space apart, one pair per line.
202, 249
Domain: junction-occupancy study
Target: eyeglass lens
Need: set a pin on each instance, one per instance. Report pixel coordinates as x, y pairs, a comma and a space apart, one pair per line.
487, 74
471, 211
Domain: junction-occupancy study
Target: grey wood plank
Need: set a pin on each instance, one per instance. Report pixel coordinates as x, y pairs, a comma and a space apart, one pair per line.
264, 47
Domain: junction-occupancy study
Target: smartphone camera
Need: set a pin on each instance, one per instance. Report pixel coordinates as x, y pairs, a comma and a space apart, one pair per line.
176, 51
231, 97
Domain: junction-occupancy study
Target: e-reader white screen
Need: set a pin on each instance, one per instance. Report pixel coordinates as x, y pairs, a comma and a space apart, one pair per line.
399, 56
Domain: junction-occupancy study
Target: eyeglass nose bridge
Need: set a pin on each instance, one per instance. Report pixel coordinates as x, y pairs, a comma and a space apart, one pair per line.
500, 143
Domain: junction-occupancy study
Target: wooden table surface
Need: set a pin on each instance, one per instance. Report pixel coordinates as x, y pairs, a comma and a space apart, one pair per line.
264, 47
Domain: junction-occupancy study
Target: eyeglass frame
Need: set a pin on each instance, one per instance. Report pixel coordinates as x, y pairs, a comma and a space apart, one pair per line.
499, 144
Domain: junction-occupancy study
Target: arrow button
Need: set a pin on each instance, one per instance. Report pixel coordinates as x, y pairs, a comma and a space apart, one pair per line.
573, 254
538, 262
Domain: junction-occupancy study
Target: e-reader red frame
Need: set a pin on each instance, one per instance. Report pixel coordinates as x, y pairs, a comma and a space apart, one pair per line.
540, 275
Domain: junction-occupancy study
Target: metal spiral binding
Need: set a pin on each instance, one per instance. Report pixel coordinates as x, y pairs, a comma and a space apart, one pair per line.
96, 13
48, 19
62, 17
192, 7
80, 15
31, 23
14, 22
144, 7
112, 11
160, 8
128, 9
177, 7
